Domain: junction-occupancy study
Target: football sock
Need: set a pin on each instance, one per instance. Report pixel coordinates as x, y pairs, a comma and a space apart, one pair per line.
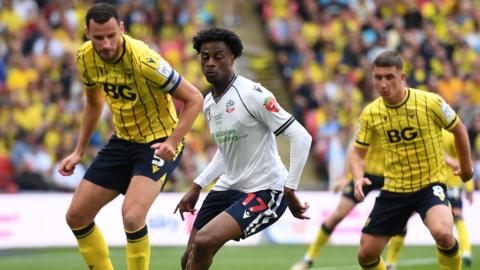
463, 238
93, 247
322, 237
450, 259
138, 249
393, 252
376, 265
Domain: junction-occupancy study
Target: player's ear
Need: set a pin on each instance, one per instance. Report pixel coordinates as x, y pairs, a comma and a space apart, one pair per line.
85, 31
122, 28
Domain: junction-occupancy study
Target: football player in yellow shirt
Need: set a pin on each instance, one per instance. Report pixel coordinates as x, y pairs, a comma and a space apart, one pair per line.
408, 123
138, 85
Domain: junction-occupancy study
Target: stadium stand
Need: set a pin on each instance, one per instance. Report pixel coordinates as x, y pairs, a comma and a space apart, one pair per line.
41, 97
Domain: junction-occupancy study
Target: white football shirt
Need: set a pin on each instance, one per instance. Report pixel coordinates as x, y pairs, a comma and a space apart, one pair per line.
243, 123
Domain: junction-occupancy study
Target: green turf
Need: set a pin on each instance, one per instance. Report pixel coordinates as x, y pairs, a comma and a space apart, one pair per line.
264, 257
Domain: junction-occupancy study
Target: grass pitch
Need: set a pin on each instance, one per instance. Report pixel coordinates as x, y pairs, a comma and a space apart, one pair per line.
263, 257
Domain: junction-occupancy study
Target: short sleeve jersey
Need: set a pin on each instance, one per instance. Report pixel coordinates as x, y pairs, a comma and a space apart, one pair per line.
137, 87
411, 136
375, 159
243, 123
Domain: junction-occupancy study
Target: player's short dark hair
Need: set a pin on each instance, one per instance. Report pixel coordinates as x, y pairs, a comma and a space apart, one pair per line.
101, 13
389, 59
219, 34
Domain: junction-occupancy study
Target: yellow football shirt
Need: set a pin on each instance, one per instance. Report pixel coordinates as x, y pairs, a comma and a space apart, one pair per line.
411, 135
449, 148
137, 88
375, 159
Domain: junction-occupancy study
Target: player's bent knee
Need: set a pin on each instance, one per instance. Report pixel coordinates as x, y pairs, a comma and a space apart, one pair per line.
132, 220
204, 242
443, 237
366, 257
76, 219
364, 261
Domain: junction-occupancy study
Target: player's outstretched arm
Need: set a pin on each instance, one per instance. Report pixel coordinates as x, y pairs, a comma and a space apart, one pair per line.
192, 104
357, 167
188, 201
91, 113
462, 145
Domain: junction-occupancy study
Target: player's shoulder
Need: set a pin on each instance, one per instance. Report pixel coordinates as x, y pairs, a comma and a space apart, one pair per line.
136, 47
424, 94
248, 88
374, 105
208, 98
85, 48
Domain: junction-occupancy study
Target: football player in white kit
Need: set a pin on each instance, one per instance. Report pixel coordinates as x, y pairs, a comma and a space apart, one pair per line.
254, 188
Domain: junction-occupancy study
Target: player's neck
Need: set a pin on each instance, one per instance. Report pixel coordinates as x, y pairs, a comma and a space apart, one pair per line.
222, 85
399, 99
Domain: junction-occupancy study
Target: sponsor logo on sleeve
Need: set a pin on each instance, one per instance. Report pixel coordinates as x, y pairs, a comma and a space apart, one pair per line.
164, 69
448, 112
271, 104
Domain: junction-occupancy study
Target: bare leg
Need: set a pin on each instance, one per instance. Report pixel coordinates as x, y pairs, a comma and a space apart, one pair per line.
345, 205
87, 200
439, 221
140, 196
371, 248
188, 250
209, 240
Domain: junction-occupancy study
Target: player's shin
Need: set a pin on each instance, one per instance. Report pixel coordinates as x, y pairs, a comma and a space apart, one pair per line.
394, 248
93, 247
138, 249
463, 239
322, 238
450, 259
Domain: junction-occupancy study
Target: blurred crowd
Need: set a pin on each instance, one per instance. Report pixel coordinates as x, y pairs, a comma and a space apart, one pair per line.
41, 97
325, 49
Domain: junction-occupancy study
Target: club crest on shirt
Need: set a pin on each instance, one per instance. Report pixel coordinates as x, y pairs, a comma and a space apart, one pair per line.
271, 104
230, 106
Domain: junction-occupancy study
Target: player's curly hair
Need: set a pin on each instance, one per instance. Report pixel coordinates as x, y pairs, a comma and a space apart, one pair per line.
219, 34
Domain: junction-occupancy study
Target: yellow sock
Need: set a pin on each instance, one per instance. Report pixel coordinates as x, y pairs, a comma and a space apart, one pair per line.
322, 237
138, 249
463, 238
377, 265
93, 247
450, 259
393, 252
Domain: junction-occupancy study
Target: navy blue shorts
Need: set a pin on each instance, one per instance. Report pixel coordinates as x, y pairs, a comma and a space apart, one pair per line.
377, 183
392, 210
252, 211
454, 195
120, 160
